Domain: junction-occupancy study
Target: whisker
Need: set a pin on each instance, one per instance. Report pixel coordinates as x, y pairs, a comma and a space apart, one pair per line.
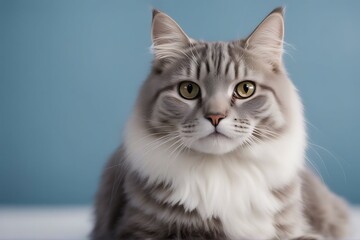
337, 161
320, 158
310, 124
314, 166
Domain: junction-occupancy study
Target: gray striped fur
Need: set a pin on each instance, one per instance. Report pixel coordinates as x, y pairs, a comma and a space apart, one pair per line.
135, 203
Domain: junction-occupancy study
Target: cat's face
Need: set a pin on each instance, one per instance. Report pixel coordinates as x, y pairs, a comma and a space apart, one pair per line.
217, 97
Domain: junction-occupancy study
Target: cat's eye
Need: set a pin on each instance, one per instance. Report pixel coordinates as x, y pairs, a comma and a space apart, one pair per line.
245, 89
189, 90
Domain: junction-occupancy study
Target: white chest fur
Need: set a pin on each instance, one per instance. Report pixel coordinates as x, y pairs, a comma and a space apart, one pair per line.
235, 188
235, 192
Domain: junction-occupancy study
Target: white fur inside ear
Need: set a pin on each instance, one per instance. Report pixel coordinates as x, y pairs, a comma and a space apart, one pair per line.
267, 39
169, 40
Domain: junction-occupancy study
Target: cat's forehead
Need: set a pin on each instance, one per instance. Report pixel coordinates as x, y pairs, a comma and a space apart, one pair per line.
217, 61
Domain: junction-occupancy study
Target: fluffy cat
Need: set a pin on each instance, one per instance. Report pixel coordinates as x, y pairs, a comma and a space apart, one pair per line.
215, 147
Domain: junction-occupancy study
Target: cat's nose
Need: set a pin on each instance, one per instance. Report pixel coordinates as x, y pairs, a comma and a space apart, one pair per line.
215, 118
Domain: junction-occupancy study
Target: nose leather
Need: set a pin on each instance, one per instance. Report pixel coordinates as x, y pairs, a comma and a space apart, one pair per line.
215, 118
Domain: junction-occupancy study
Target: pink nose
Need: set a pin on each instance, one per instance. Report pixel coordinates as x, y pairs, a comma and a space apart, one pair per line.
215, 118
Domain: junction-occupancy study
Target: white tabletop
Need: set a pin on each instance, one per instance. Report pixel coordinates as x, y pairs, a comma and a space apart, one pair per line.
70, 223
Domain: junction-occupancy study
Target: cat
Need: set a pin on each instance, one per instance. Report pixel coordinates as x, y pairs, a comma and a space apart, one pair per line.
215, 147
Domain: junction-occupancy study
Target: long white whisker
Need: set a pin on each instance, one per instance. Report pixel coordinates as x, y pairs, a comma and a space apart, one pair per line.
314, 166
320, 158
333, 157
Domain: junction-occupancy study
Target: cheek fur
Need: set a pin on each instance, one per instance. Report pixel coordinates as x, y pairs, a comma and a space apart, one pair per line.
170, 110
174, 107
265, 110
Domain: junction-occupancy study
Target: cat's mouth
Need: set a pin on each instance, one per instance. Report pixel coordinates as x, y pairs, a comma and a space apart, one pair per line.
214, 143
216, 135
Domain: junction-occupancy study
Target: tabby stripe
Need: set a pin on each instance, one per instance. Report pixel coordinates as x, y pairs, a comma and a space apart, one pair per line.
205, 50
164, 89
219, 62
198, 69
267, 88
206, 46
207, 66
227, 67
213, 55
236, 69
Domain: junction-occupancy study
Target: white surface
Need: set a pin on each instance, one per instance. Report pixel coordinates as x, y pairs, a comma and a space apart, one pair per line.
45, 223
70, 223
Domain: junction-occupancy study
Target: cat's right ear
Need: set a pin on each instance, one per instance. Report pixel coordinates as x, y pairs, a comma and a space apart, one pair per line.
168, 39
267, 39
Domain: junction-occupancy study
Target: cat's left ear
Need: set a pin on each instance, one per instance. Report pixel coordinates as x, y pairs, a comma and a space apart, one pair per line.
267, 39
169, 40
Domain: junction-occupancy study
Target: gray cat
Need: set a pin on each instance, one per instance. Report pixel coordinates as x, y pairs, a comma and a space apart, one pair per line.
215, 147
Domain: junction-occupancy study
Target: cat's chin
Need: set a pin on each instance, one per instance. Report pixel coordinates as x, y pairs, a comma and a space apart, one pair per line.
216, 144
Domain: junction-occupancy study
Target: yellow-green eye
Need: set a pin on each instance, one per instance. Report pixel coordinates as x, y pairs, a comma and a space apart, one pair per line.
245, 89
189, 90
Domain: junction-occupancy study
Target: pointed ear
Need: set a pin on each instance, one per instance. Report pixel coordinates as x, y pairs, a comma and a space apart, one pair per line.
266, 40
169, 40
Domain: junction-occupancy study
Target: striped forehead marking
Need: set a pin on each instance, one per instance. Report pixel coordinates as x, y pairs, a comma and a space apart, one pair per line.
217, 59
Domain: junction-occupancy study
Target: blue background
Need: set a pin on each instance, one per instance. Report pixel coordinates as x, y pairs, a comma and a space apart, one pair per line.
70, 72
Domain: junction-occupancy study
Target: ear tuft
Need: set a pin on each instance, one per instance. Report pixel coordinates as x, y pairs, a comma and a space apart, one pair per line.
169, 40
267, 39
154, 12
280, 10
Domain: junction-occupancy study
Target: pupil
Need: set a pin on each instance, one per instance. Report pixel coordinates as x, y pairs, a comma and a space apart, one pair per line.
246, 88
189, 88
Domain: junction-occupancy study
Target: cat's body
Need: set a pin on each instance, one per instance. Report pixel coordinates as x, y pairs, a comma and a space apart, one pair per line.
215, 148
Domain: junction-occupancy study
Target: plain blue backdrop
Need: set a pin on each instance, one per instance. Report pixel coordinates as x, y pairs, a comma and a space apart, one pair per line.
70, 72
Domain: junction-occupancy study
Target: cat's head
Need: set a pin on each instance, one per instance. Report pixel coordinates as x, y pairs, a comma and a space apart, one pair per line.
216, 97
